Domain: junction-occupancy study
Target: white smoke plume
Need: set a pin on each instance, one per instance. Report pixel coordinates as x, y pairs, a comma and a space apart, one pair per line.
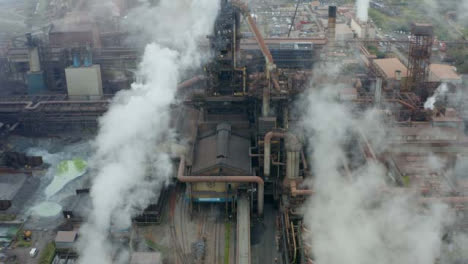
130, 167
439, 92
104, 8
351, 220
461, 13
362, 7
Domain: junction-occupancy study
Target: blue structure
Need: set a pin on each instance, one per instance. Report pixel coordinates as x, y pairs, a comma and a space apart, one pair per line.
76, 60
36, 83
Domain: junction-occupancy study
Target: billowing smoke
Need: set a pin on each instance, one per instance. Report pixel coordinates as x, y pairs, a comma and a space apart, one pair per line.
439, 92
129, 164
104, 8
362, 7
358, 218
462, 11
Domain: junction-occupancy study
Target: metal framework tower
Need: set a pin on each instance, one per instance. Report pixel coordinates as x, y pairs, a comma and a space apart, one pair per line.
420, 48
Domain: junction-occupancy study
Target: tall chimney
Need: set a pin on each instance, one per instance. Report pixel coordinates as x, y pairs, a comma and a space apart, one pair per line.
331, 25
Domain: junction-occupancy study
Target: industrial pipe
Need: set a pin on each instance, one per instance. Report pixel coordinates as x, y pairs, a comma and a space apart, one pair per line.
267, 152
270, 65
34, 61
295, 192
304, 161
449, 200
190, 82
29, 105
33, 107
266, 101
369, 100
368, 147
182, 178
294, 242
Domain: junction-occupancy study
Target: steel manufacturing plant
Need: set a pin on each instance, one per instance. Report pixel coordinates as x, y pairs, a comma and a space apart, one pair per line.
233, 131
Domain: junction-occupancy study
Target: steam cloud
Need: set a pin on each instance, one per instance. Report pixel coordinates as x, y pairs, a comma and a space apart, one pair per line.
351, 220
130, 167
362, 7
440, 91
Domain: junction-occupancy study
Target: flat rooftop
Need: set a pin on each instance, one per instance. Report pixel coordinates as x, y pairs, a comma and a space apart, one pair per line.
389, 66
66, 236
443, 72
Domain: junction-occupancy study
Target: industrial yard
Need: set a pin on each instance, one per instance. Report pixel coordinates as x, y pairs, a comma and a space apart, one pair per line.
233, 132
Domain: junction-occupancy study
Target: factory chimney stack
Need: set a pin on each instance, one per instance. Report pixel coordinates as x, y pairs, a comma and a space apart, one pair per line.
331, 25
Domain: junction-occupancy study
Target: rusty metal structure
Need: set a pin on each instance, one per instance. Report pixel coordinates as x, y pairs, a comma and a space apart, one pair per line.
243, 149
420, 50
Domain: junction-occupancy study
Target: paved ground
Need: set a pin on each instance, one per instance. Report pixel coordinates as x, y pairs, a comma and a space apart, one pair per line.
39, 241
263, 237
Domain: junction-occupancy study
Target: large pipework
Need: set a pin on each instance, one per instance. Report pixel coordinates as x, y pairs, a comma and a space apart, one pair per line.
267, 150
331, 25
266, 101
449, 200
252, 179
293, 156
33, 54
295, 192
191, 82
34, 61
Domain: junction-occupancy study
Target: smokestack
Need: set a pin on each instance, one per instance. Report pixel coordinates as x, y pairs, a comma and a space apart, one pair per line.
331, 25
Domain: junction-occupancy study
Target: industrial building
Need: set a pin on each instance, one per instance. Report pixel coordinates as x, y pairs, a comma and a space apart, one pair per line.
243, 169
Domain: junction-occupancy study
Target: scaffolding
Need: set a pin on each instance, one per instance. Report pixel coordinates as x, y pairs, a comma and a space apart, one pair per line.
420, 49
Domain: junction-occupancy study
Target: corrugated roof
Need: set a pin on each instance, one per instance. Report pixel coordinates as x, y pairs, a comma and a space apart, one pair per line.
66, 236
444, 72
390, 65
235, 156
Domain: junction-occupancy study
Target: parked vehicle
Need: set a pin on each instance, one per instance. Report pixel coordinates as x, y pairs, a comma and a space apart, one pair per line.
33, 252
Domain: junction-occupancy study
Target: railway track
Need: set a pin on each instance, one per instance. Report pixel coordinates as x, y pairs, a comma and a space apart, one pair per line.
175, 228
216, 240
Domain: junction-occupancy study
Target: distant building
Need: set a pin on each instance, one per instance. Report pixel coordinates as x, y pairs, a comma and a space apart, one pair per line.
343, 32
315, 4
363, 29
75, 29
444, 73
66, 239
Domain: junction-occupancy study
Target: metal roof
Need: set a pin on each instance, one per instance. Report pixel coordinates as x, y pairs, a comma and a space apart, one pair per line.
390, 65
66, 236
222, 149
443, 72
